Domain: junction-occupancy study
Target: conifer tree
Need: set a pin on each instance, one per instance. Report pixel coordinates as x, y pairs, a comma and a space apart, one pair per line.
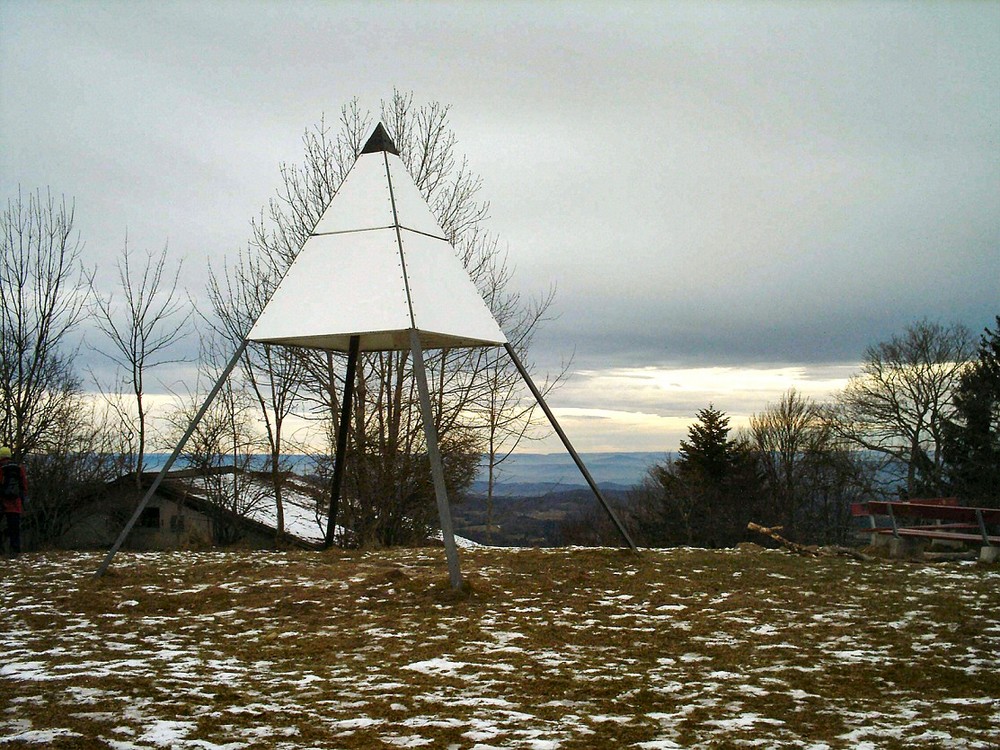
708, 452
705, 497
972, 436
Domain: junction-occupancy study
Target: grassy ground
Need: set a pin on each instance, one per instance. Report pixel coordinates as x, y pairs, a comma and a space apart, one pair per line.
551, 649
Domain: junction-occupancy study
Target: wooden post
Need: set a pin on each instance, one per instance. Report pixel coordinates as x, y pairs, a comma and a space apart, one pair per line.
437, 469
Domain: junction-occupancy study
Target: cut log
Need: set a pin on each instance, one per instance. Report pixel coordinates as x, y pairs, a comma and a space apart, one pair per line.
800, 549
810, 550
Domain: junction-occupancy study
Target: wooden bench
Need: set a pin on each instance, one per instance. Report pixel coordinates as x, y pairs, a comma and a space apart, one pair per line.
950, 521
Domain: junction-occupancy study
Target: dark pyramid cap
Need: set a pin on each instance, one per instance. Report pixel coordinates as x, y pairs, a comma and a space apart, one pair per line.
380, 141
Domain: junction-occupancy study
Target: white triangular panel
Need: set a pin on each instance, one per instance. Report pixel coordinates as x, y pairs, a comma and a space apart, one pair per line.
363, 200
413, 211
444, 298
339, 285
376, 266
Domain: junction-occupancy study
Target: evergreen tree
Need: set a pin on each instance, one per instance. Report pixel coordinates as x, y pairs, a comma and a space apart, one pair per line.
708, 453
972, 436
705, 497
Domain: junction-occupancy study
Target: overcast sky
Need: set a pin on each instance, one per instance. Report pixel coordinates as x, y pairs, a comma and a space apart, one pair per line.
730, 198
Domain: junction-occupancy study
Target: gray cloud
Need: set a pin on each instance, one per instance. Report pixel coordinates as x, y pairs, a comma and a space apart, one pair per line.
704, 183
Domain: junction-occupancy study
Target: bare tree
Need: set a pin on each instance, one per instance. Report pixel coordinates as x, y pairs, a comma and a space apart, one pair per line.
386, 471
44, 295
785, 436
224, 444
479, 399
43, 416
272, 373
142, 324
116, 414
897, 406
808, 475
504, 413
70, 470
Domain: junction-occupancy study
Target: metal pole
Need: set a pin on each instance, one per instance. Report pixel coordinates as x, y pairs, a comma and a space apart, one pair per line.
569, 447
345, 425
437, 470
170, 461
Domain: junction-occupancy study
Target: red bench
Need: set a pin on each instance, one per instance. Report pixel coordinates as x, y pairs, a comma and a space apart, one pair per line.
951, 521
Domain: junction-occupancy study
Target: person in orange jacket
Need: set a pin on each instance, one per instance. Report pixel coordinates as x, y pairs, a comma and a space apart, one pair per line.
13, 490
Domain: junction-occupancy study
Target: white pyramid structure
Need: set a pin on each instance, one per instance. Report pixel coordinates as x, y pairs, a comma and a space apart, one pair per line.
377, 266
377, 274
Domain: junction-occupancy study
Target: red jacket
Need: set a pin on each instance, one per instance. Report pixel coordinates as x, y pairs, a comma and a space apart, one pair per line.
15, 505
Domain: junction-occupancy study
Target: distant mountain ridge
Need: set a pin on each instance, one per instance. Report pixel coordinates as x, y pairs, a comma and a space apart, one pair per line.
522, 474
534, 496
525, 474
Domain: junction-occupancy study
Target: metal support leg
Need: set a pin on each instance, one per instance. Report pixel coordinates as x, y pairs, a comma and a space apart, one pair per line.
345, 426
437, 470
170, 461
569, 447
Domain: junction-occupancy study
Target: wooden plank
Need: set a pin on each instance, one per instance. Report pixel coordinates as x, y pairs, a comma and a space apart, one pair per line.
943, 512
930, 532
947, 526
935, 501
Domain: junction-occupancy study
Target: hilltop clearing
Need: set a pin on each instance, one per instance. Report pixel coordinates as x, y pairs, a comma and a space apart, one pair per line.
567, 648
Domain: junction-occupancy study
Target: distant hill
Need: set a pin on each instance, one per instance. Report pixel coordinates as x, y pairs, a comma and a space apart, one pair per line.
520, 475
534, 474
526, 521
534, 496
537, 493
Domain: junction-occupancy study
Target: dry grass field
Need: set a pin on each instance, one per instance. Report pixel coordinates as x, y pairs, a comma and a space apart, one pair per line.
549, 649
